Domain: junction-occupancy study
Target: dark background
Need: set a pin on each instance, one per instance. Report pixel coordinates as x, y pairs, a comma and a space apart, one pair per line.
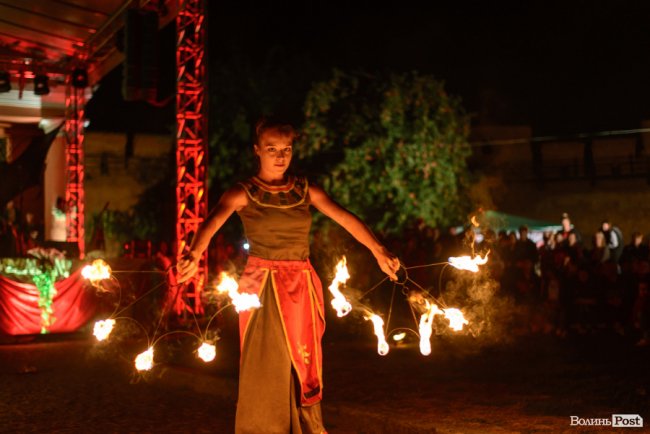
578, 66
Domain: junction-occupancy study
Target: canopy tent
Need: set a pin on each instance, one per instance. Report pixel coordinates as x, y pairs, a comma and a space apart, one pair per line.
500, 221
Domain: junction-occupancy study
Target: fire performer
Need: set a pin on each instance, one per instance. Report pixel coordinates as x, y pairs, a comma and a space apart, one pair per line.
280, 380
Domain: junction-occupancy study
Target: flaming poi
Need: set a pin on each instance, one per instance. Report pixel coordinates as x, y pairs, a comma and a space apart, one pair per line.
207, 352
426, 327
144, 360
241, 300
339, 302
378, 325
398, 337
468, 263
103, 328
456, 318
97, 271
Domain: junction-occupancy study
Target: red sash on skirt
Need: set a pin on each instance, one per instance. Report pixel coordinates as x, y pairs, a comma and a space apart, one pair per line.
299, 296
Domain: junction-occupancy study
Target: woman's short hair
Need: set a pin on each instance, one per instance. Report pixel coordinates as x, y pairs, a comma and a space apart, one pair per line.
271, 123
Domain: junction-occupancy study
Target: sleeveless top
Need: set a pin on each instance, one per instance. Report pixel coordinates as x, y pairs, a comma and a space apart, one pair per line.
277, 219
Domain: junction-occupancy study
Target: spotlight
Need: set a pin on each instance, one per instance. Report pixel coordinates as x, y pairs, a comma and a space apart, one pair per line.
80, 78
41, 86
5, 81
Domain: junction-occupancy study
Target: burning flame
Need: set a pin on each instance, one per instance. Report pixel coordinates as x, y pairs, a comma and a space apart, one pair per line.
474, 221
397, 337
339, 302
103, 329
426, 327
97, 271
378, 323
207, 352
242, 301
456, 322
144, 361
456, 318
467, 263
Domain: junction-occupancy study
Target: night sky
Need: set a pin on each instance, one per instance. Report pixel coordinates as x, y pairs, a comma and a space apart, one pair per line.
567, 68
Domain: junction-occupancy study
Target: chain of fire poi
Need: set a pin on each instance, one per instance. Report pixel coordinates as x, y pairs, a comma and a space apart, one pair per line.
99, 270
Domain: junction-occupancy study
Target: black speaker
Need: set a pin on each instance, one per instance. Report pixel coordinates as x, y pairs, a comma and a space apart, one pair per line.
5, 81
140, 73
80, 78
41, 85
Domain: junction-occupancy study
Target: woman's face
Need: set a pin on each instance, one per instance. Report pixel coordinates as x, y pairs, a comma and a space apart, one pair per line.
274, 151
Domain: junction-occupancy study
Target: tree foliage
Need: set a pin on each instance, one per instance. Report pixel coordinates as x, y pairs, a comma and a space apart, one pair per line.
392, 148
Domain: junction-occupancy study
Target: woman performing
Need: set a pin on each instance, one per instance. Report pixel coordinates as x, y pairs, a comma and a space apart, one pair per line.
280, 376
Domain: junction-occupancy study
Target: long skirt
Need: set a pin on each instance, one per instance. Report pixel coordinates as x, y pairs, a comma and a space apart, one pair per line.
271, 399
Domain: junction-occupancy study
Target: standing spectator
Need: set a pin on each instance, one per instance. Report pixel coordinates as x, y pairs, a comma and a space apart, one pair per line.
450, 242
11, 237
574, 249
600, 252
568, 228
58, 232
525, 249
637, 250
614, 240
30, 234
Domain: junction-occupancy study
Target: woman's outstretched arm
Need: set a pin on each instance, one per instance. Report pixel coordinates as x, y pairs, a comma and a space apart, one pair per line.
388, 263
231, 201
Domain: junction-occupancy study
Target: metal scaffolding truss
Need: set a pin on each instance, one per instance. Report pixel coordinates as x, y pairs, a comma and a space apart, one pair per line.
74, 191
191, 143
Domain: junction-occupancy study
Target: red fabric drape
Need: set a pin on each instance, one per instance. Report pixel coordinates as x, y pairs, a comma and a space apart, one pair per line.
299, 295
74, 304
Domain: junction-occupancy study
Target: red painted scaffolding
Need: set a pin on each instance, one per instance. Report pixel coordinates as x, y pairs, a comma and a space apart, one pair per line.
74, 153
191, 143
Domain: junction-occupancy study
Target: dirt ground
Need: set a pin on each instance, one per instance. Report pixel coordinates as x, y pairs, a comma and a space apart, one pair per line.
70, 385
530, 384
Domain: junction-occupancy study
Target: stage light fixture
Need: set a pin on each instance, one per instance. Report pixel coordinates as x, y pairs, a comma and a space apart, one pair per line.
5, 81
41, 85
80, 78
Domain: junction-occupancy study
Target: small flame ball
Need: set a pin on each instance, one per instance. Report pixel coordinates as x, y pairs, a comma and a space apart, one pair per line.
456, 318
97, 271
144, 361
103, 329
207, 352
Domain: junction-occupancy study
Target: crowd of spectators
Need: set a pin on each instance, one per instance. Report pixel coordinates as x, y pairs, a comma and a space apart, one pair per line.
566, 283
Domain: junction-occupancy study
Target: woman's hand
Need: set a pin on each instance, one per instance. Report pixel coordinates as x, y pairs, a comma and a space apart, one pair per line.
187, 267
388, 262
